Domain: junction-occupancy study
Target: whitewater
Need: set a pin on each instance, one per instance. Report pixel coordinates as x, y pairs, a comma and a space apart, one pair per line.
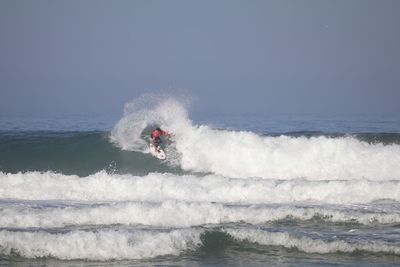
244, 154
231, 192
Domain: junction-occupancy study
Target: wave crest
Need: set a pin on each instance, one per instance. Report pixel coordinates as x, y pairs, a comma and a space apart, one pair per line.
243, 154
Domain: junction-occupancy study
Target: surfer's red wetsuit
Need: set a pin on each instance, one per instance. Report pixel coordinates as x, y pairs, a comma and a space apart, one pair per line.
157, 133
155, 136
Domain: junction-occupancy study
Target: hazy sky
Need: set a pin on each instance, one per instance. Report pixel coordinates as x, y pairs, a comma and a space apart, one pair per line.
272, 57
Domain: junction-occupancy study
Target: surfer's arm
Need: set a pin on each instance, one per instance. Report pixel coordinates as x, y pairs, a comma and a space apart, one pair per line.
167, 135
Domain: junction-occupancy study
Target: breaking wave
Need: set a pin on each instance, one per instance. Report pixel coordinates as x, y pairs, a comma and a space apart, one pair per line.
157, 187
181, 214
139, 244
244, 154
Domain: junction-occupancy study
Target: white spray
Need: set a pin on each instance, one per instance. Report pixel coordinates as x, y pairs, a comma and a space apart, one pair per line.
244, 154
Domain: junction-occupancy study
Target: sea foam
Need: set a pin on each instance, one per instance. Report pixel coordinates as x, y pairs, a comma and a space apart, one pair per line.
244, 154
139, 244
99, 245
156, 187
310, 245
177, 214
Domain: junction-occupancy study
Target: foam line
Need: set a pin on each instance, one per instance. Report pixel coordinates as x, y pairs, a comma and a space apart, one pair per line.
157, 187
101, 245
176, 214
140, 244
310, 245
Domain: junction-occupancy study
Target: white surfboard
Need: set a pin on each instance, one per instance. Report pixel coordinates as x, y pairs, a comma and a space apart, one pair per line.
158, 153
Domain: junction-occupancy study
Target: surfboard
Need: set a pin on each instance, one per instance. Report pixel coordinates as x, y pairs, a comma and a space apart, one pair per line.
157, 152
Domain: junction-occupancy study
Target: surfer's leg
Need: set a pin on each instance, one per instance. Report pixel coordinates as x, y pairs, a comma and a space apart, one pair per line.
157, 143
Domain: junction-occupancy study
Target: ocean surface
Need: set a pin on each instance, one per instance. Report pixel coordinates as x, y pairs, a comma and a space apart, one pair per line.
243, 190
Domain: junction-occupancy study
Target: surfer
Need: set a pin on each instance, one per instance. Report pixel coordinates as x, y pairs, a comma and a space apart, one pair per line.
156, 137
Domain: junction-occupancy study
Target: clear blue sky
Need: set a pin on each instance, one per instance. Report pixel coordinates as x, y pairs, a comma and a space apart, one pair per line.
270, 57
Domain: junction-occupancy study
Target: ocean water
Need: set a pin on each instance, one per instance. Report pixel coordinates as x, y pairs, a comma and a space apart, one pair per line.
248, 190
